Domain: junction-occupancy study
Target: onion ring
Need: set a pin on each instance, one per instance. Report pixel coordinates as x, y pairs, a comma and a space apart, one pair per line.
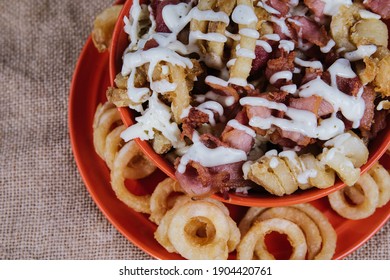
213, 247
105, 117
250, 216
159, 202
113, 143
339, 203
161, 233
254, 240
308, 226
124, 156
328, 234
382, 178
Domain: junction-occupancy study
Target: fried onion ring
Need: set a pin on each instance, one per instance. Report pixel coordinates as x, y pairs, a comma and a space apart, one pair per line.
127, 154
106, 116
328, 234
382, 178
159, 200
253, 242
186, 241
161, 233
298, 217
250, 216
339, 203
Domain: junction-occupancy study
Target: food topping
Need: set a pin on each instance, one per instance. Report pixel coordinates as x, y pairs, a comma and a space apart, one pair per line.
216, 84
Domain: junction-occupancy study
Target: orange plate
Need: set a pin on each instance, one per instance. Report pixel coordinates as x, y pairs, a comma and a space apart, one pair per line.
89, 84
376, 147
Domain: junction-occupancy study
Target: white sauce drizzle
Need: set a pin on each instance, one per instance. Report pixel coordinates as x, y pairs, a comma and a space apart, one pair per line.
361, 52
268, 8
209, 157
273, 163
287, 75
156, 117
243, 14
287, 45
223, 100
163, 86
292, 89
332, 6
235, 124
311, 64
249, 32
265, 45
368, 15
326, 49
209, 107
272, 37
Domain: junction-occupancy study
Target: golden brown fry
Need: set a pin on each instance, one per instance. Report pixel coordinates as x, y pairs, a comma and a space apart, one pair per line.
241, 68
215, 50
103, 27
181, 96
196, 25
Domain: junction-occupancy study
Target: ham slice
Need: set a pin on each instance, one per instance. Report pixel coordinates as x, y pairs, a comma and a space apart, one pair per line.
316, 7
237, 138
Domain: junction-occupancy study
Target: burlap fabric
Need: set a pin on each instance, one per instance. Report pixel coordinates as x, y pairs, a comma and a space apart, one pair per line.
45, 210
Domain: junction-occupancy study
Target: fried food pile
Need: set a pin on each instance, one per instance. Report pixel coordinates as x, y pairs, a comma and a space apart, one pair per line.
265, 96
204, 229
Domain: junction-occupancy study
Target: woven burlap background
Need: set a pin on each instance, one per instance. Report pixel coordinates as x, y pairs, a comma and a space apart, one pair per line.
45, 210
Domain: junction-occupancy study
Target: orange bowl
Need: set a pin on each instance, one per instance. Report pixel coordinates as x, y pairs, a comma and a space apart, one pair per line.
120, 41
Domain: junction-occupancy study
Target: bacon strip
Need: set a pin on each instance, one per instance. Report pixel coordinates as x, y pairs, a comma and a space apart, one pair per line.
202, 181
157, 8
310, 30
194, 120
368, 116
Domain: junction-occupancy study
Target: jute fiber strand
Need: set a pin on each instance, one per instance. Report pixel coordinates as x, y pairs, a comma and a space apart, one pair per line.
45, 210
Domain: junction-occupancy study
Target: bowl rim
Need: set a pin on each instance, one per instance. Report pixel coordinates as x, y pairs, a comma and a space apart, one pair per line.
263, 200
